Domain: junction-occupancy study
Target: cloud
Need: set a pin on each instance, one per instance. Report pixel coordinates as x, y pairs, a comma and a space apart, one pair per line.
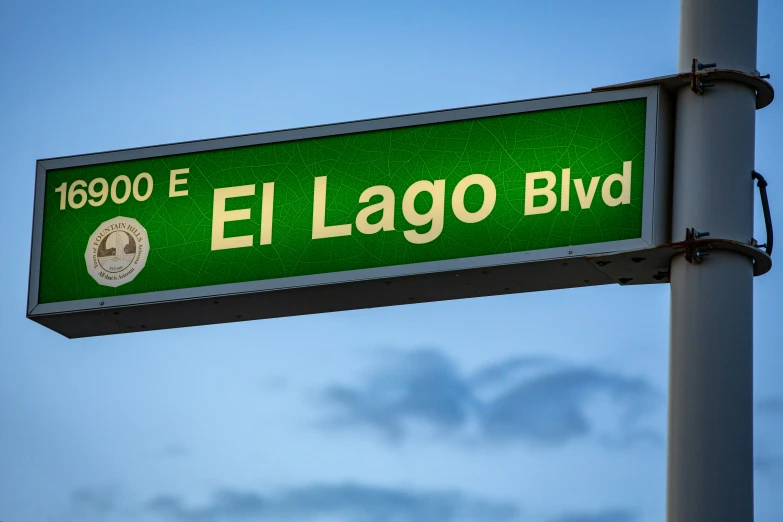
175, 451
612, 515
769, 414
349, 503
766, 463
96, 504
94, 500
502, 371
421, 386
531, 399
770, 406
551, 407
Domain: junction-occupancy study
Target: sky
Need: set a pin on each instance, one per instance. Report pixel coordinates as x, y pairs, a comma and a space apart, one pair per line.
488, 409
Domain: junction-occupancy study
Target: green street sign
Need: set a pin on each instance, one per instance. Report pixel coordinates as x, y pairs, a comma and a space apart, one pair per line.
335, 217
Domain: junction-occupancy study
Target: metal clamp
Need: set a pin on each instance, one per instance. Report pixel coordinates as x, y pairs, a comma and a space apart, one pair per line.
706, 76
693, 249
697, 85
696, 249
652, 265
762, 185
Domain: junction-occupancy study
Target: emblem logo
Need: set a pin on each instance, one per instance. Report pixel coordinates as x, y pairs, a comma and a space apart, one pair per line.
117, 251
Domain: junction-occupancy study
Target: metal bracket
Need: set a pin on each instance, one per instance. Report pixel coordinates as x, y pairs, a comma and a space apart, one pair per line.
672, 83
693, 251
696, 249
762, 185
698, 86
651, 265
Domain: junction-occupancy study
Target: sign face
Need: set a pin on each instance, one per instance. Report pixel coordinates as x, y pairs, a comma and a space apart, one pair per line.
199, 222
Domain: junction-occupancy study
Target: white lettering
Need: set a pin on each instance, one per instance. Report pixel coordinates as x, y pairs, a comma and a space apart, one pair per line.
385, 206
174, 182
221, 216
267, 205
435, 214
458, 198
585, 200
565, 190
531, 192
320, 230
625, 183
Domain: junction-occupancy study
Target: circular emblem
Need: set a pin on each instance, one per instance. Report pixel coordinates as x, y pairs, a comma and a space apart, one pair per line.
117, 251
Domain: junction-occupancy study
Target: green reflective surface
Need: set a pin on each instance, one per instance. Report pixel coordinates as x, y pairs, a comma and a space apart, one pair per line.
591, 141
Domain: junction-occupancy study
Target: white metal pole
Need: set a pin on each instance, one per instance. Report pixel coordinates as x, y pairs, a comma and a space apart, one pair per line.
710, 443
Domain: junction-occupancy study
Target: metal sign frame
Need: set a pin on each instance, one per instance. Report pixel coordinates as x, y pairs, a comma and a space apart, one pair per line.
69, 317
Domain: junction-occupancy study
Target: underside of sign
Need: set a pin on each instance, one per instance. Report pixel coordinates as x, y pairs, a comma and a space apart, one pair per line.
497, 280
524, 196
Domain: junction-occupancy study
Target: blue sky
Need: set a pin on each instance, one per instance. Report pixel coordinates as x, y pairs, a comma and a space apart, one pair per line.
545, 407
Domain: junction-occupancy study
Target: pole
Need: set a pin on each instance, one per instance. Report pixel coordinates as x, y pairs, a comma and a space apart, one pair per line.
710, 443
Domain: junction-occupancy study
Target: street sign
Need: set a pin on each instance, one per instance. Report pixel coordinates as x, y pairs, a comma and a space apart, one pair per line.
484, 200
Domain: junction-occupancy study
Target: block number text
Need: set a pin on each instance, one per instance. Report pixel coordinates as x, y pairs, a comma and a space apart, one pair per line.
79, 193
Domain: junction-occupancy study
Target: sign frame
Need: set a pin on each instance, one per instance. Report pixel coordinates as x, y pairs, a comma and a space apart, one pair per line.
655, 228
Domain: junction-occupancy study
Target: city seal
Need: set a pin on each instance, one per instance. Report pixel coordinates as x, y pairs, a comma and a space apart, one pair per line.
117, 251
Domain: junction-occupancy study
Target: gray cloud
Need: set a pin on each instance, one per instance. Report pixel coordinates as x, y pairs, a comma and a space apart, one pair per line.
420, 386
96, 504
98, 501
612, 515
533, 399
175, 451
769, 420
771, 406
351, 503
766, 463
551, 407
502, 371
318, 502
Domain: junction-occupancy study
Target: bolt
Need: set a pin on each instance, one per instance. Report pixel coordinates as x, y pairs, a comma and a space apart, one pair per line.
101, 303
765, 77
701, 66
699, 235
570, 251
702, 253
703, 85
